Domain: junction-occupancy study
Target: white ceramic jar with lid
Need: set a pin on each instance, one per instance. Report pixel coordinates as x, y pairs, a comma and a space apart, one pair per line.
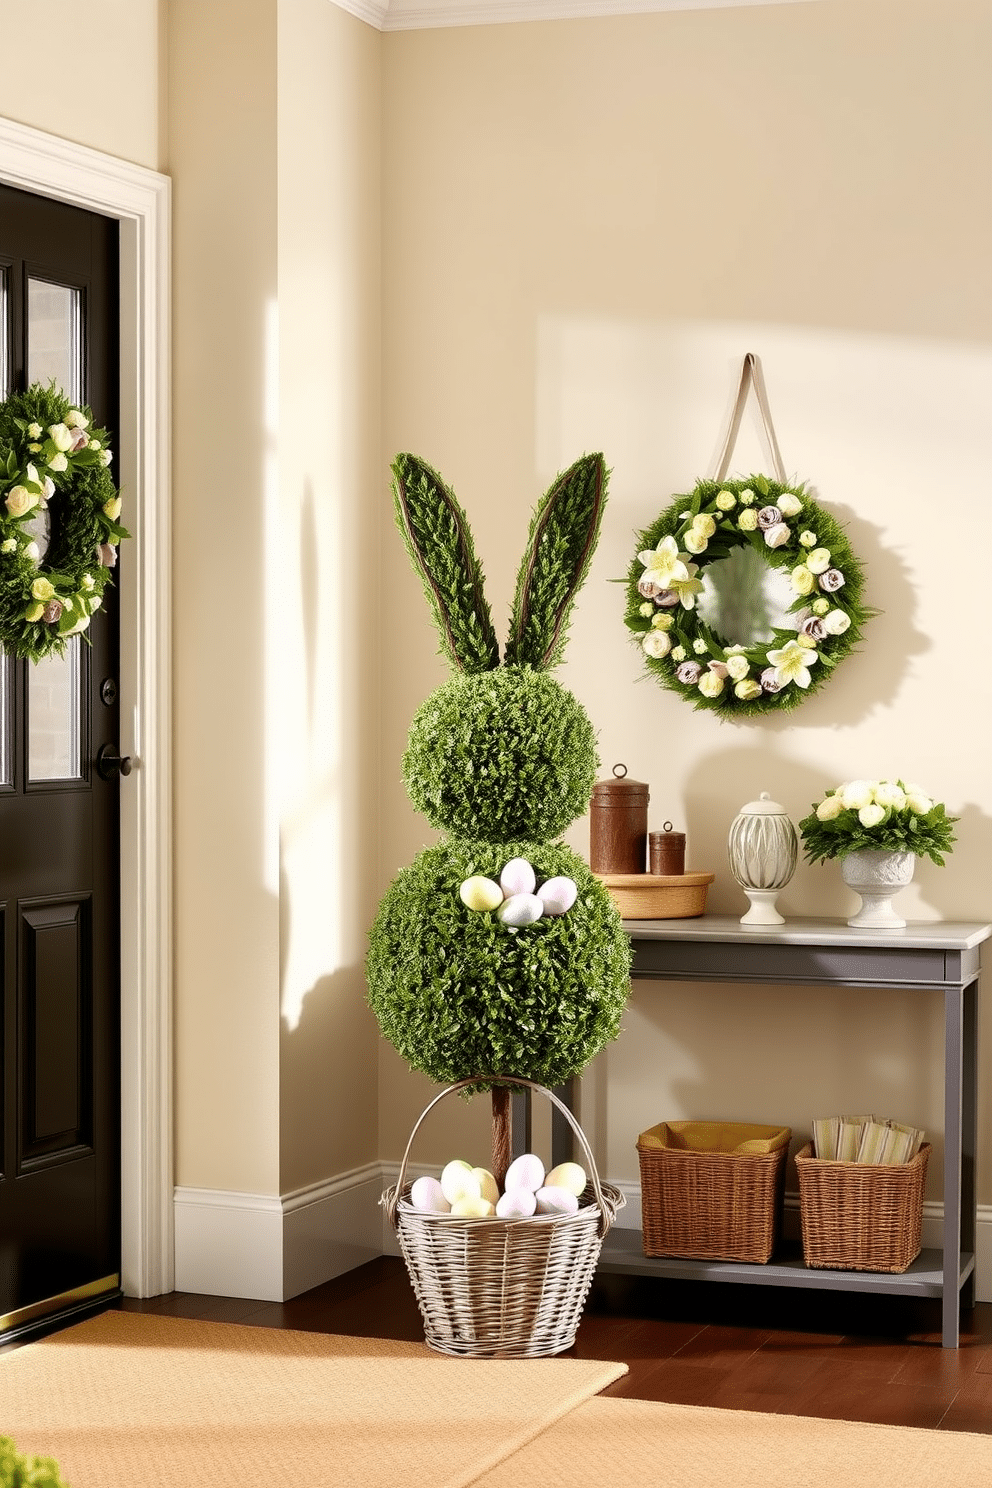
762, 850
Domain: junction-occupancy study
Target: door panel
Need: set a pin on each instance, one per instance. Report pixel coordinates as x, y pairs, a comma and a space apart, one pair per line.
59, 830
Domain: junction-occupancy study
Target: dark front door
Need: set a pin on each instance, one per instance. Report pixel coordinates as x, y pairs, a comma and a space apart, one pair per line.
59, 829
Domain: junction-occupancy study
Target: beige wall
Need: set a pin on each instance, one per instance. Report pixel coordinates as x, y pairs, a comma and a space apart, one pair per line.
324, 648
587, 224
92, 74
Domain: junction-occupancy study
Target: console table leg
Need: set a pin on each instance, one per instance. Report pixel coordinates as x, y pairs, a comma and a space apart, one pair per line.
953, 1073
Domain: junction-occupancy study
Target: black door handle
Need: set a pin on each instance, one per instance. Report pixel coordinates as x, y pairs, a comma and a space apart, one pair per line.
108, 762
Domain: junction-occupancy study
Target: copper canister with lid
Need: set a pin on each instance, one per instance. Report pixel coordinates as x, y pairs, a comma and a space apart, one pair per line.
618, 824
666, 851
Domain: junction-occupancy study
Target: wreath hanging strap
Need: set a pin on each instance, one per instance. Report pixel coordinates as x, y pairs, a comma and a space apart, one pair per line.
59, 521
779, 522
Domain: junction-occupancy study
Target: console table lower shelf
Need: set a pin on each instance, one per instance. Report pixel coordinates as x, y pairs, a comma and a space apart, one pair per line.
623, 1253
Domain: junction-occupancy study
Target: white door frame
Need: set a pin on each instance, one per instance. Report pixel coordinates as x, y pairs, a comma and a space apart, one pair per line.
140, 200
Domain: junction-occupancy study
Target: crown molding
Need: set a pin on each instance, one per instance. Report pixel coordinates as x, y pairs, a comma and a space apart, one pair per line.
424, 15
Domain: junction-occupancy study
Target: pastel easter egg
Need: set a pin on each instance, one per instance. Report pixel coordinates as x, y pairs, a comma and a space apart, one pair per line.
473, 1208
518, 877
556, 1201
526, 1171
488, 1187
558, 895
427, 1194
516, 1203
567, 1175
520, 909
480, 893
459, 1182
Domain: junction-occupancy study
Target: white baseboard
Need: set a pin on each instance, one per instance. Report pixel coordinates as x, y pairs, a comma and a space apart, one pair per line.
260, 1246
256, 1245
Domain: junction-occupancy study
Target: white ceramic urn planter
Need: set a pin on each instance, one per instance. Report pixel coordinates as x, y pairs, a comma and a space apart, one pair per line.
877, 876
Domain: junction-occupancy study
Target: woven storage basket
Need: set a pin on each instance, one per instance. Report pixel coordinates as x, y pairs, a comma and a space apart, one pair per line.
858, 1216
700, 1198
503, 1288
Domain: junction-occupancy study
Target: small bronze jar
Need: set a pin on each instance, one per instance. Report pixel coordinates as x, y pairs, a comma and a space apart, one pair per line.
618, 824
666, 852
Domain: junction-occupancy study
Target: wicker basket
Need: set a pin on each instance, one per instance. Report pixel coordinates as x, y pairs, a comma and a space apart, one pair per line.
702, 1198
501, 1288
858, 1216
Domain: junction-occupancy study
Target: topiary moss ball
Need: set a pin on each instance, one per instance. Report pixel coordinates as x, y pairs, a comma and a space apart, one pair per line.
501, 755
458, 993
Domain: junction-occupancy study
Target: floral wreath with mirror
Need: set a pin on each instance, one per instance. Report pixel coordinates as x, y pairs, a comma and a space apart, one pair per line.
744, 595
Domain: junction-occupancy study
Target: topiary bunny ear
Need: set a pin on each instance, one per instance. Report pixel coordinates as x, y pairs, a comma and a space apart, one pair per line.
562, 539
438, 540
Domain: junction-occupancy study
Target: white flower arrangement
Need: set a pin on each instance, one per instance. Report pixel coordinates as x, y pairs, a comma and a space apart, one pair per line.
792, 534
880, 816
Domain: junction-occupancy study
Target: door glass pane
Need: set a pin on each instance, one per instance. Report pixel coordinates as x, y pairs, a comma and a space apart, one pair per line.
4, 333
54, 716
55, 337
6, 714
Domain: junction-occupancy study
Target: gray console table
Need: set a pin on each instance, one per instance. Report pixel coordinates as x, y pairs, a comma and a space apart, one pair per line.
923, 958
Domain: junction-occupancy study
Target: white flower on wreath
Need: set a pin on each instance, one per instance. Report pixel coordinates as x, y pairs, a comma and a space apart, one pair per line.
710, 684
725, 500
662, 622
738, 666
789, 504
695, 542
646, 610
820, 606
835, 622
792, 662
656, 643
685, 590
9, 545
20, 501
699, 646
819, 560
777, 535
747, 690
678, 653
808, 539
748, 519
61, 436
748, 497
802, 580
661, 564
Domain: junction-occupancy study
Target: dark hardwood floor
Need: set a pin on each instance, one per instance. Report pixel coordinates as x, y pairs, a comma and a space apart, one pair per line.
853, 1357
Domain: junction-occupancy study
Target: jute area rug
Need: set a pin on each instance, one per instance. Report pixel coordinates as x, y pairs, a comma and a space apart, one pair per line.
127, 1400
639, 1444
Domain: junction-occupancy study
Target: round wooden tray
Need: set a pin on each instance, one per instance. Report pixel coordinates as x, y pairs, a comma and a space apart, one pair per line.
656, 896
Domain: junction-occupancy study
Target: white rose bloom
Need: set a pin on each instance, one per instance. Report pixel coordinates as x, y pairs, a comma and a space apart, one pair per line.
656, 643
748, 519
802, 580
747, 689
704, 524
821, 606
835, 622
112, 508
829, 808
726, 500
76, 420
887, 793
857, 793
808, 539
61, 436
710, 685
777, 535
663, 622
819, 560
919, 805
738, 667
20, 501
870, 816
58, 462
788, 504
694, 541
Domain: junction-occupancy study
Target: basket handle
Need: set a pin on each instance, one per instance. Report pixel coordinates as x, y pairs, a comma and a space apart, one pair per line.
391, 1198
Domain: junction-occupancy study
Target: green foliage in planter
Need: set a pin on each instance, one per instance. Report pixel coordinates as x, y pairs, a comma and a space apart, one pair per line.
458, 993
501, 755
17, 1471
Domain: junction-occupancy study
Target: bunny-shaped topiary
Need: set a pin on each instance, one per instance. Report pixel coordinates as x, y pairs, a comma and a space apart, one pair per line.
502, 759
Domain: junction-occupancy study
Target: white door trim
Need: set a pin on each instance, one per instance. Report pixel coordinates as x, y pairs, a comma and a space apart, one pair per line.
140, 200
